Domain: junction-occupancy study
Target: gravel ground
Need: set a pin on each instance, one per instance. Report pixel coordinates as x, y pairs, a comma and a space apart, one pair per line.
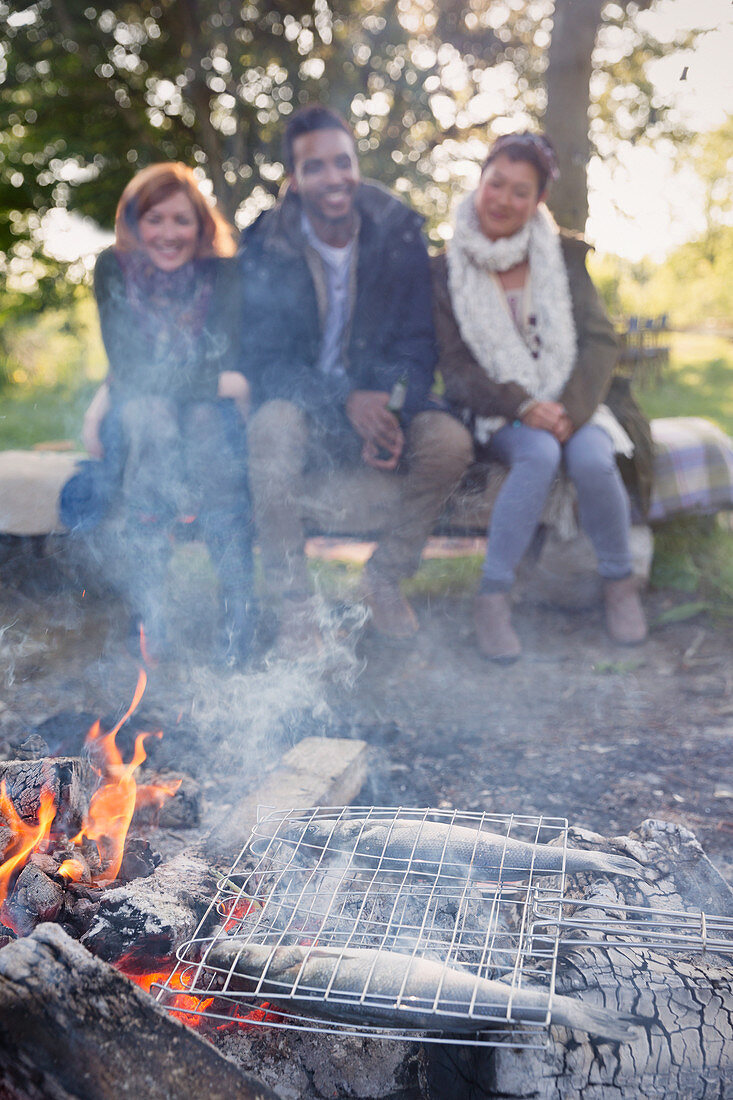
579, 728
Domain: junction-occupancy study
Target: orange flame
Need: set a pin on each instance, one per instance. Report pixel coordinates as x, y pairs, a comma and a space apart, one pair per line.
155, 794
27, 838
110, 810
147, 657
112, 806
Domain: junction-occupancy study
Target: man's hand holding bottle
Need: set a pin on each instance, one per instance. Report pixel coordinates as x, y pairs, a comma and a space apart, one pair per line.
374, 416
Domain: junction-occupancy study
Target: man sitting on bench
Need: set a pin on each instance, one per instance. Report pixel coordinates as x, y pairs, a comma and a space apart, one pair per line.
337, 311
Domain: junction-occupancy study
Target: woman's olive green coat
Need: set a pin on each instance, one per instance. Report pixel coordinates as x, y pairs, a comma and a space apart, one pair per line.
591, 382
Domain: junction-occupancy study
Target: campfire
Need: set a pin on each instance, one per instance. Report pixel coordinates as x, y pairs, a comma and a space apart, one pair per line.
62, 845
314, 892
68, 842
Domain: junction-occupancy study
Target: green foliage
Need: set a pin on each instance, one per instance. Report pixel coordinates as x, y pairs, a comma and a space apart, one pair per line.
682, 612
694, 285
88, 95
44, 348
626, 107
28, 417
92, 94
692, 555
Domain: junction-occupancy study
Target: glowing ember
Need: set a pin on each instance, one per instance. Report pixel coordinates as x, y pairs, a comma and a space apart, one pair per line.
235, 910
257, 1016
72, 869
27, 838
188, 1005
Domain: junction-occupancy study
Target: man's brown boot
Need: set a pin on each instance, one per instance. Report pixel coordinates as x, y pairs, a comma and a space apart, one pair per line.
299, 635
391, 615
494, 631
625, 619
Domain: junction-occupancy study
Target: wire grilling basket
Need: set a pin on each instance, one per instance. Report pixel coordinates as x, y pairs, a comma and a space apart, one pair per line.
378, 918
581, 924
404, 923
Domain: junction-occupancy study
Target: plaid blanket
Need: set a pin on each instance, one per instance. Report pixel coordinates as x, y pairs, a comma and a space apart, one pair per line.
693, 467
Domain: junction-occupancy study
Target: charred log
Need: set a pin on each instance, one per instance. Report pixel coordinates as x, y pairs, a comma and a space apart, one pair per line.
151, 916
33, 748
72, 1026
69, 779
36, 898
684, 1002
139, 860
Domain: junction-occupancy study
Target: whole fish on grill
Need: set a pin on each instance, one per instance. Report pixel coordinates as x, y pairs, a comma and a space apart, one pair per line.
387, 987
334, 907
433, 847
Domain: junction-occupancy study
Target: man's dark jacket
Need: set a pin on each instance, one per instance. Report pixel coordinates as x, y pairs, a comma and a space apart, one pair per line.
391, 330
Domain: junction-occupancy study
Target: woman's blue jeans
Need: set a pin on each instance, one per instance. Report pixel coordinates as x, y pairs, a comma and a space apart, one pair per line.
534, 458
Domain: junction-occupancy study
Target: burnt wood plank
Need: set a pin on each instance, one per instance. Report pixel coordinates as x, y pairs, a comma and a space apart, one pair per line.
318, 771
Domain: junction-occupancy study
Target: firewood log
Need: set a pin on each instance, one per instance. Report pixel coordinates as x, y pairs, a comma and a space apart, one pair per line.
71, 1026
684, 1001
70, 779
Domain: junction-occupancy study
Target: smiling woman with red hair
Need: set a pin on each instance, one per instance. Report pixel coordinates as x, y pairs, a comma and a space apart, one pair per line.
153, 185
167, 423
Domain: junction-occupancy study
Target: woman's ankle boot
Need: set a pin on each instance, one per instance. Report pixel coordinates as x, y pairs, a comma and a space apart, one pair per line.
494, 631
625, 619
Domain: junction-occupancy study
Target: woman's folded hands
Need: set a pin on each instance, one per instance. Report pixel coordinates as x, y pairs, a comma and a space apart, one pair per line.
549, 416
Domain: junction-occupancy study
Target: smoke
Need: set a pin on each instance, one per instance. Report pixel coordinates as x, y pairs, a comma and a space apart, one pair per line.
10, 650
248, 718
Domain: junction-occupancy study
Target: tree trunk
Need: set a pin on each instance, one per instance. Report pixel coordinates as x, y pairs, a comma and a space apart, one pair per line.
568, 98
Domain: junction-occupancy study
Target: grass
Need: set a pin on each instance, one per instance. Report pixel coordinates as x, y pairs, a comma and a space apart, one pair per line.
698, 381
693, 555
43, 414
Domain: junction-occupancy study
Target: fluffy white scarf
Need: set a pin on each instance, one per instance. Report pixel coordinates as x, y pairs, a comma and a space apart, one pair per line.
483, 316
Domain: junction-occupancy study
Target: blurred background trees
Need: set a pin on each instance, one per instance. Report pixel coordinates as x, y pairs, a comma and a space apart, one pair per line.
89, 94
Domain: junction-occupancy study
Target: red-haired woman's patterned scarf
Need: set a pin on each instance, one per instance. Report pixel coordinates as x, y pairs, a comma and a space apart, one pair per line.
172, 305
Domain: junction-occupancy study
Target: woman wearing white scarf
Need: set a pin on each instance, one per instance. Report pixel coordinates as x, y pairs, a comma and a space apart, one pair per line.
517, 370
